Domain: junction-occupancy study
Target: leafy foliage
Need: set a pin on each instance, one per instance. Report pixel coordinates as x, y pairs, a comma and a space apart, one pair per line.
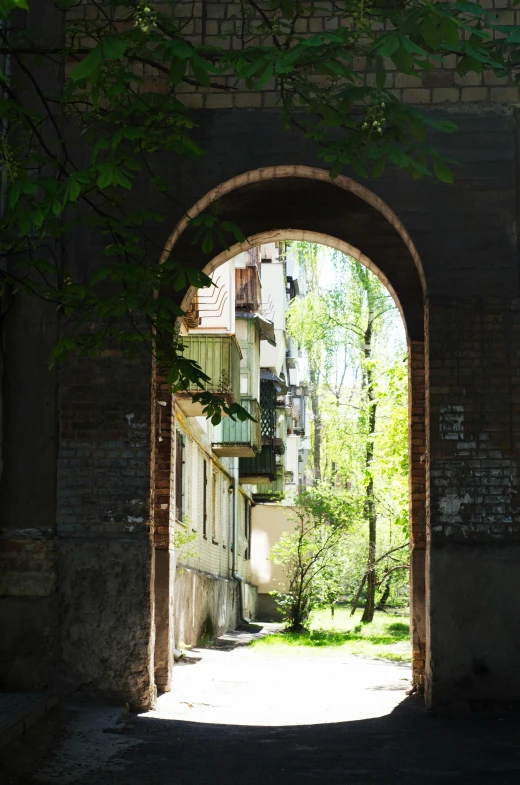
128, 294
364, 432
313, 554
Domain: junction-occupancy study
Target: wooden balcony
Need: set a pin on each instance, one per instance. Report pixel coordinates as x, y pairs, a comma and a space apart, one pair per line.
247, 289
239, 439
219, 358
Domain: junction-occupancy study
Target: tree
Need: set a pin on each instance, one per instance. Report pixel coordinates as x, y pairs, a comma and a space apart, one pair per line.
348, 327
126, 297
313, 554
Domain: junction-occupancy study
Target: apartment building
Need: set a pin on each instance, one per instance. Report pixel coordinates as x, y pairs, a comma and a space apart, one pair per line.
236, 331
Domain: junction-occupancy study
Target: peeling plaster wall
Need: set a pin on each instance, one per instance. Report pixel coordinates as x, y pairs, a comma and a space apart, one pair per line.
474, 625
105, 608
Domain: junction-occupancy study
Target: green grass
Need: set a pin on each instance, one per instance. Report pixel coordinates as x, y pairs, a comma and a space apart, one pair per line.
387, 637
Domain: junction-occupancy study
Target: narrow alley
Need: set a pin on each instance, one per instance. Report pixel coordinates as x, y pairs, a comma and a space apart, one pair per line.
240, 714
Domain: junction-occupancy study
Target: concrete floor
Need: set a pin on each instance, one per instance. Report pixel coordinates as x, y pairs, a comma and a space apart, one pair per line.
249, 717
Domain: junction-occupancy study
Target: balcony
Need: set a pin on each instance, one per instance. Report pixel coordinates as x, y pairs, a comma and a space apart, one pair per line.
273, 490
259, 470
247, 289
236, 439
219, 358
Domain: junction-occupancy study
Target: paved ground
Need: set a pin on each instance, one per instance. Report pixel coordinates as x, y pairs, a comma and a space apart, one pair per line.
247, 717
20, 710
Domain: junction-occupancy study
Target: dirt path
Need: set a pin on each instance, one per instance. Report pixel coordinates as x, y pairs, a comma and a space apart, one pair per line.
250, 717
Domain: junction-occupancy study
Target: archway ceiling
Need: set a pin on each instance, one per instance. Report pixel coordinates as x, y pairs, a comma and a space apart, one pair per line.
318, 206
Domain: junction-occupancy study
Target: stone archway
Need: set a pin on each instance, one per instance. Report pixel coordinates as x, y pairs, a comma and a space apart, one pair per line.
299, 202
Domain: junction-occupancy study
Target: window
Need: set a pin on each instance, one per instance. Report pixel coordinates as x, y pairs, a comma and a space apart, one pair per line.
180, 476
204, 498
215, 507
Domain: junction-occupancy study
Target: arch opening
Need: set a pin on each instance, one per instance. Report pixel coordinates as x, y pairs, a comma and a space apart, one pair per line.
266, 201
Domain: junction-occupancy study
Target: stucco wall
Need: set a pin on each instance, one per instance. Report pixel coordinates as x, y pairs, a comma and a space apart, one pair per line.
106, 620
206, 606
268, 522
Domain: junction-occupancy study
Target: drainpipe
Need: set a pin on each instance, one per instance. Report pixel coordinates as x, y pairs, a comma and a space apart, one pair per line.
234, 569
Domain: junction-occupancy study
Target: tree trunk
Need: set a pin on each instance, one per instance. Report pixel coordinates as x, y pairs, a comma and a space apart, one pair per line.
370, 507
384, 597
315, 405
358, 595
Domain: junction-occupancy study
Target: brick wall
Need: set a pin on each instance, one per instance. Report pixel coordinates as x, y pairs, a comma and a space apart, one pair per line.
163, 458
474, 420
216, 24
28, 592
104, 456
103, 524
417, 486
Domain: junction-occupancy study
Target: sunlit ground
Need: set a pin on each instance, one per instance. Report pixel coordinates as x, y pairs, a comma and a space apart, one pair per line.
387, 637
282, 681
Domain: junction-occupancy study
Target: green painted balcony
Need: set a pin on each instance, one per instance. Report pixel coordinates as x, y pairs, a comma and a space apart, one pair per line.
219, 357
259, 470
236, 439
273, 490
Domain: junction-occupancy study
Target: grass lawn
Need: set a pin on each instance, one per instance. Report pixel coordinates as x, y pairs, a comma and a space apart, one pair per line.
387, 637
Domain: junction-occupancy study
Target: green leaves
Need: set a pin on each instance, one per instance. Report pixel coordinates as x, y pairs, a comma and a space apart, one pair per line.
442, 172
110, 174
110, 48
388, 44
114, 48
87, 66
124, 96
210, 229
6, 6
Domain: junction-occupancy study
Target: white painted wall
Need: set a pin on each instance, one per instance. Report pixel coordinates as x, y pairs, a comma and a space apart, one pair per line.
217, 303
269, 521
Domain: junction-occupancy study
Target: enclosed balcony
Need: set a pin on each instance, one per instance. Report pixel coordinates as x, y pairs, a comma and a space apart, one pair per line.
258, 470
247, 289
219, 358
237, 439
273, 490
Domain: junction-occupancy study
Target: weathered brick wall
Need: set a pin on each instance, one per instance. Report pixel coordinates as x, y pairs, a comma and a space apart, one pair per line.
104, 444
219, 24
417, 490
103, 520
164, 447
473, 436
28, 586
473, 501
466, 236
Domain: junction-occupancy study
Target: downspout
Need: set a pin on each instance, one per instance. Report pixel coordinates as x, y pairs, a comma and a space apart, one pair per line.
234, 569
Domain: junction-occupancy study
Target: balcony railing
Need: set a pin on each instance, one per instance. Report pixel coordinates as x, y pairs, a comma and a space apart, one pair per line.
236, 438
258, 470
219, 358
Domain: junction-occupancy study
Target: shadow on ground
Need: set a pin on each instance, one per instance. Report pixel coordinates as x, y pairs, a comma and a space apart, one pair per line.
406, 747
